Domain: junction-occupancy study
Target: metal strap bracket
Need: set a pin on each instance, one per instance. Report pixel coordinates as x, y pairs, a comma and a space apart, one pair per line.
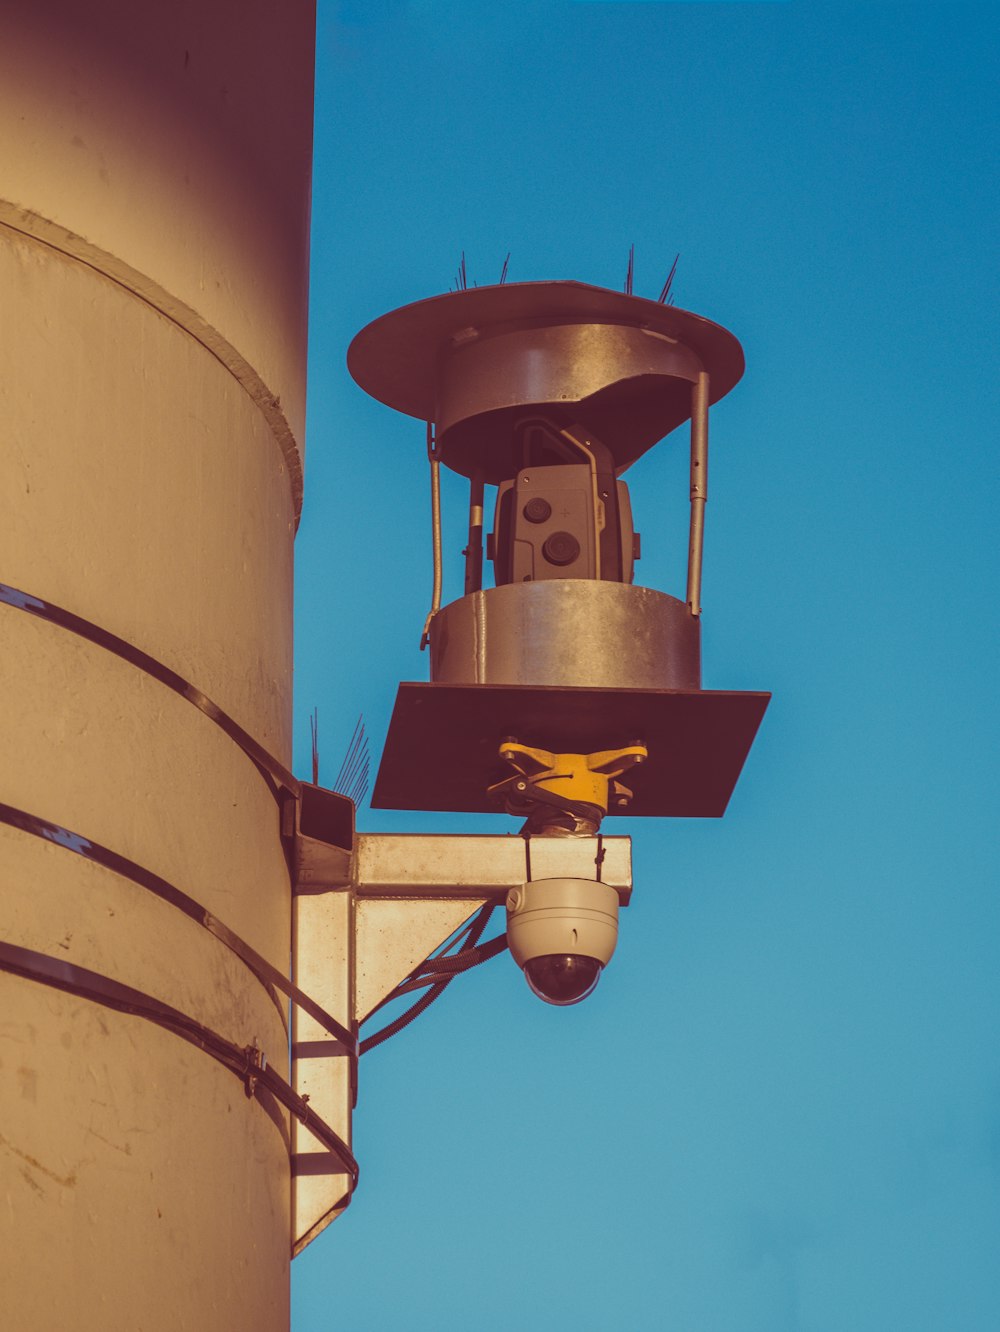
266, 763
248, 1063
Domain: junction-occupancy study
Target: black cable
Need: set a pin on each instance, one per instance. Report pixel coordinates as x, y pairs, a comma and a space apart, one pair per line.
471, 932
468, 957
482, 954
404, 1020
455, 941
448, 967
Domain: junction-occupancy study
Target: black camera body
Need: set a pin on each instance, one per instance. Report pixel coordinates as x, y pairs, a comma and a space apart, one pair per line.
564, 514
551, 524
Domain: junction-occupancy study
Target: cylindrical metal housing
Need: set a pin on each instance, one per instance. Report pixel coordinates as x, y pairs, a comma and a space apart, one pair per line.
153, 255
618, 380
567, 632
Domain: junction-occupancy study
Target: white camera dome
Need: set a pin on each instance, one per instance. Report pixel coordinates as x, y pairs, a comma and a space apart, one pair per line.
562, 933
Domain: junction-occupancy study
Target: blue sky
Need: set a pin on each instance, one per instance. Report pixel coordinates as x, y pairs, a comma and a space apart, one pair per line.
780, 1110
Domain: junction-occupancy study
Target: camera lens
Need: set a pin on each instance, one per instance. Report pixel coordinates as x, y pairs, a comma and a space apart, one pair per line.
537, 510
561, 548
562, 978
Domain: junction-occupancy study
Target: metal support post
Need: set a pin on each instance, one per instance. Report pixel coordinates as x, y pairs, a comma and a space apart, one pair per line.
699, 489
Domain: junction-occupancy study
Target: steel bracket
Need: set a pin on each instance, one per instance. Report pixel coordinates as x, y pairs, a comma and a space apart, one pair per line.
367, 909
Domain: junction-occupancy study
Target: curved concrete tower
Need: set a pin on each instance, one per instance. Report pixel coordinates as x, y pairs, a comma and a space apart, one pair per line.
153, 270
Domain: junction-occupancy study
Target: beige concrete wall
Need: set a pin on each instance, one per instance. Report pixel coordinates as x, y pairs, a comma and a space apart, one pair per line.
172, 143
153, 228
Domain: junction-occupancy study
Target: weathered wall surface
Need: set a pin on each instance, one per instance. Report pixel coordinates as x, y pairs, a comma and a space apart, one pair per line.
153, 250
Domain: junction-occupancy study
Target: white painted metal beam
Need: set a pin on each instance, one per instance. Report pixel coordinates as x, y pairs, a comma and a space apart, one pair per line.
424, 866
364, 921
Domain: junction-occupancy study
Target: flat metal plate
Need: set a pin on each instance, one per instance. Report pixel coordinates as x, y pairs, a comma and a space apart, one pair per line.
441, 750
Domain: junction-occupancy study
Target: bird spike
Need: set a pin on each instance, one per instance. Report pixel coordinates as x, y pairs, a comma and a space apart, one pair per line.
666, 297
314, 735
352, 780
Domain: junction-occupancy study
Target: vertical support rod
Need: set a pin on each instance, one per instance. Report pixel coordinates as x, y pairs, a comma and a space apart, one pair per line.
432, 455
699, 489
474, 550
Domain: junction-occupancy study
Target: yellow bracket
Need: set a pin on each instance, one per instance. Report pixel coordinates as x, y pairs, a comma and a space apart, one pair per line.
585, 777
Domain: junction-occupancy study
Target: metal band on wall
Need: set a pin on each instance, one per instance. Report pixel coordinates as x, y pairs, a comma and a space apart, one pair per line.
263, 970
45, 610
246, 1062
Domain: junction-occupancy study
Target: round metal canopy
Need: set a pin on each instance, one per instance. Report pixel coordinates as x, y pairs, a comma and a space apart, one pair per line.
474, 361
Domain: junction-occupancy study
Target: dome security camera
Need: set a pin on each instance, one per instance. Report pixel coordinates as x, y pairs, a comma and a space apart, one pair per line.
562, 933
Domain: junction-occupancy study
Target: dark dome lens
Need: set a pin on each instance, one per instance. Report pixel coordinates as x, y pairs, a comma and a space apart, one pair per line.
561, 548
562, 978
538, 510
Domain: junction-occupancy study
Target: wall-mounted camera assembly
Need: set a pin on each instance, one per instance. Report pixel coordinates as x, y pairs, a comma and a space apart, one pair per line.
549, 391
561, 691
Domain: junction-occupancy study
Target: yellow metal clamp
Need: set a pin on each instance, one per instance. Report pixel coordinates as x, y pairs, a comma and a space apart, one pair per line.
589, 778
